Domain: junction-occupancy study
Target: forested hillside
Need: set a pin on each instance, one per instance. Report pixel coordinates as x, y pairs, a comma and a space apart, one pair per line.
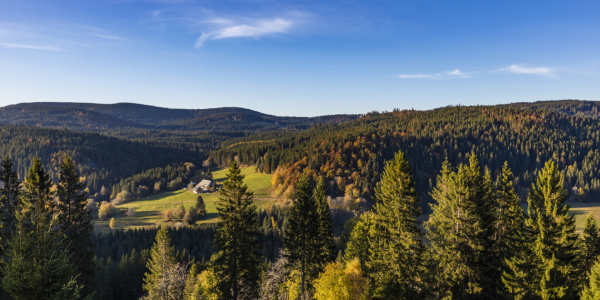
569, 107
351, 155
101, 160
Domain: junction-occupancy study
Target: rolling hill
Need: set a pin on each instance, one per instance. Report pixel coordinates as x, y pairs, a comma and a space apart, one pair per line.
101, 117
351, 155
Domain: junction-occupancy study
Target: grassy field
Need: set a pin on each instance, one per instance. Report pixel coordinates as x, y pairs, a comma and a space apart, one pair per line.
148, 211
582, 210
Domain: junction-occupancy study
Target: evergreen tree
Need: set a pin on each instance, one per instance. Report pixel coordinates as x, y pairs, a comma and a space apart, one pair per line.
9, 197
162, 261
592, 289
200, 207
460, 235
358, 244
301, 237
37, 198
237, 262
509, 222
37, 267
75, 222
325, 233
591, 244
549, 267
395, 263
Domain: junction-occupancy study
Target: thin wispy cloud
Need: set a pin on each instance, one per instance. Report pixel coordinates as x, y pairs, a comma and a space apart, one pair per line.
110, 37
30, 47
518, 69
456, 73
253, 28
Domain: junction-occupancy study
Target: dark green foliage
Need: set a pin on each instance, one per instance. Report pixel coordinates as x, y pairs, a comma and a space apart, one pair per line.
102, 160
200, 208
237, 262
591, 244
549, 267
302, 244
9, 198
36, 266
37, 199
570, 107
102, 117
325, 233
508, 238
75, 223
460, 231
395, 262
357, 150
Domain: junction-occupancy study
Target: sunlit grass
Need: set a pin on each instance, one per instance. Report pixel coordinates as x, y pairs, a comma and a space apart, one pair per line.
149, 210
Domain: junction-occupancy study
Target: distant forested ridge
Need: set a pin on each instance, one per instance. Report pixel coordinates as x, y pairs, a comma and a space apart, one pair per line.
101, 160
103, 117
579, 108
351, 155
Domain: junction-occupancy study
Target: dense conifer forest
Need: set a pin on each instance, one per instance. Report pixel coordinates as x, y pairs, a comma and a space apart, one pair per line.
351, 155
495, 183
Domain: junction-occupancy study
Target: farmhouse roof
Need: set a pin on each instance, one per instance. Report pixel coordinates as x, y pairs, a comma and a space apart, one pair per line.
205, 183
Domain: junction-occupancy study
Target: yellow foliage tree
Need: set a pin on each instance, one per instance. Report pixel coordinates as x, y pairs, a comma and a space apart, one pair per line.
339, 282
206, 286
113, 224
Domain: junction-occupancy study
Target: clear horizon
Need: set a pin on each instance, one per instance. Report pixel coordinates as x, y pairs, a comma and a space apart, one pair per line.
297, 58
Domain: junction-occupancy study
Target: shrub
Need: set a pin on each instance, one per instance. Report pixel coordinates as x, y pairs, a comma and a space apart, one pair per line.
130, 212
106, 210
113, 223
168, 215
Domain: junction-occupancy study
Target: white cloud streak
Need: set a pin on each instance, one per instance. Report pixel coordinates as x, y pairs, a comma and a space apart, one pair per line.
255, 28
456, 73
518, 69
30, 47
110, 37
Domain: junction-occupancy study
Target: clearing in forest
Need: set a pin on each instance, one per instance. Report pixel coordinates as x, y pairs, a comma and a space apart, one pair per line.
149, 210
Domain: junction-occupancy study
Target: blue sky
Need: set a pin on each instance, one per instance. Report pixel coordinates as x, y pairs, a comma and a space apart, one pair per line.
299, 58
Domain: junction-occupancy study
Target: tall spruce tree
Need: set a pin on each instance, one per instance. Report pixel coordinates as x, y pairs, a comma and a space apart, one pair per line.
549, 267
509, 239
37, 198
37, 267
75, 222
9, 198
162, 260
302, 233
591, 244
592, 289
395, 262
460, 231
327, 252
237, 262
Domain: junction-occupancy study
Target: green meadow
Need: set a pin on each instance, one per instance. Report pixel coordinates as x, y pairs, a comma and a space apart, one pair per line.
149, 210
